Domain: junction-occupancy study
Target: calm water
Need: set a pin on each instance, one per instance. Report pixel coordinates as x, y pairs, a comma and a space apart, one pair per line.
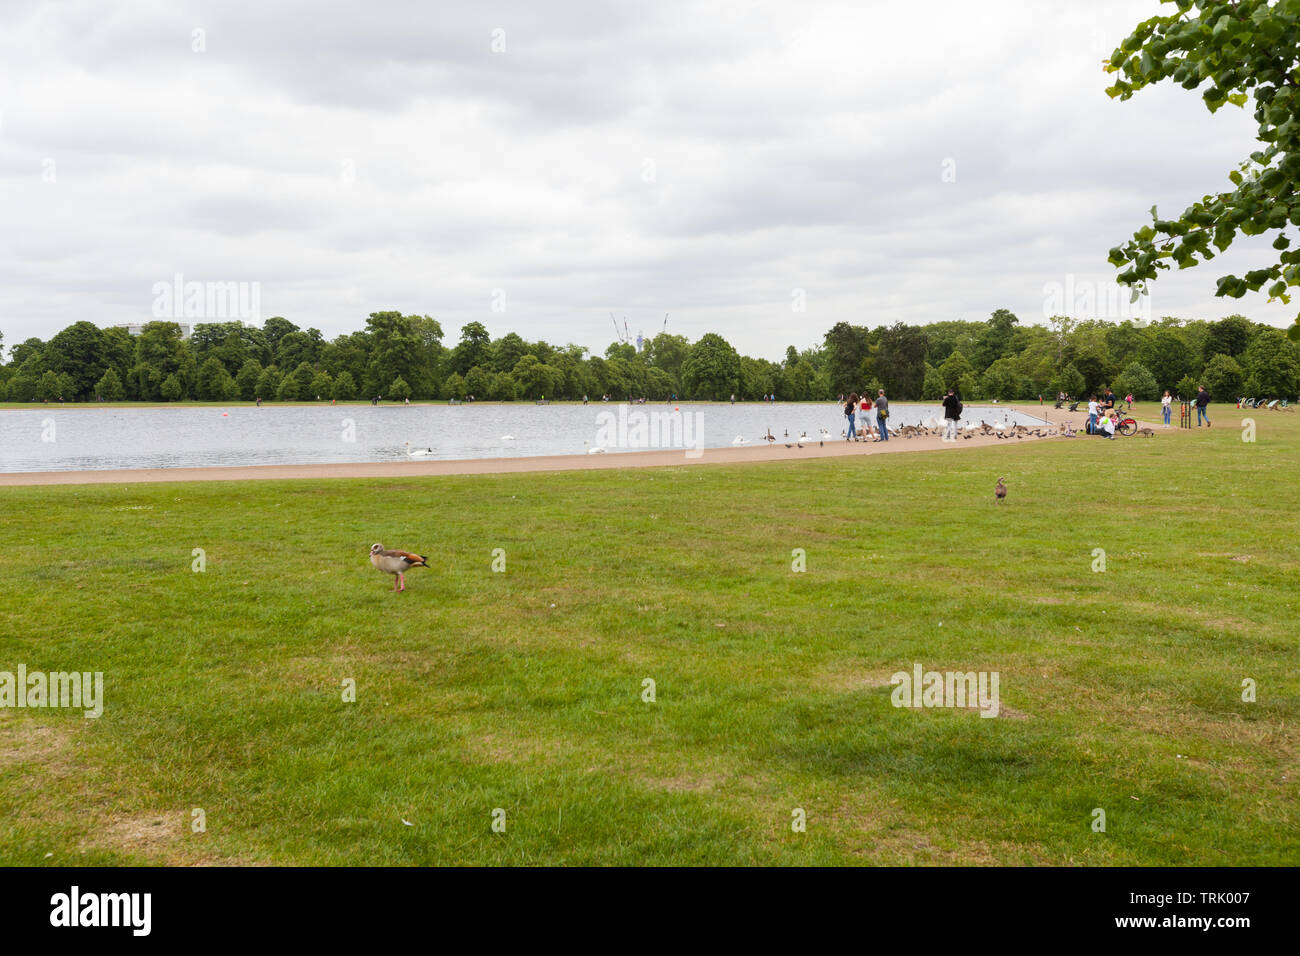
74, 439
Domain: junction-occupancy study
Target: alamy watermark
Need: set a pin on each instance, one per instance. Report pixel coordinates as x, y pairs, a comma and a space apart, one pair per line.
640, 429
179, 299
1082, 298
73, 689
947, 689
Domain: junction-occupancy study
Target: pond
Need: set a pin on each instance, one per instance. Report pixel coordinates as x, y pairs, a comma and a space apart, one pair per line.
78, 438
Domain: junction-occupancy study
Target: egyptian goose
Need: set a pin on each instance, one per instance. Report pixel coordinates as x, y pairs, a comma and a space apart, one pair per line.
1000, 492
395, 563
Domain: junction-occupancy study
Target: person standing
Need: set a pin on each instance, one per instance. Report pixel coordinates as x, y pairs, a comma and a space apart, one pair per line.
1165, 406
850, 412
951, 415
1202, 406
1093, 409
882, 413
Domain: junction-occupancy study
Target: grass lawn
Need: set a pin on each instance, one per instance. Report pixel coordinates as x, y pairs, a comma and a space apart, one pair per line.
522, 690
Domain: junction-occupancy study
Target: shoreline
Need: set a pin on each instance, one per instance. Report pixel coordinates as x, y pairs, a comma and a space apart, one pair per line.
749, 454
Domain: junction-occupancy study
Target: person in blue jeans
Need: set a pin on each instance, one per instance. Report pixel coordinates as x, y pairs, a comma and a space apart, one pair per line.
1166, 404
850, 412
882, 412
1202, 406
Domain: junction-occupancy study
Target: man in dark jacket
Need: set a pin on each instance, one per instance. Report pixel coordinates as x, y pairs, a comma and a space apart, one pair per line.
951, 415
1202, 406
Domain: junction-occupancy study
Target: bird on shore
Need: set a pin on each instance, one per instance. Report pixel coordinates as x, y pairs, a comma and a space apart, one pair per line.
769, 437
1000, 492
396, 563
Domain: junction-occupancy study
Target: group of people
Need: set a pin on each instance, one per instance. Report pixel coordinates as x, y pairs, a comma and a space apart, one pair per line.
1103, 419
856, 407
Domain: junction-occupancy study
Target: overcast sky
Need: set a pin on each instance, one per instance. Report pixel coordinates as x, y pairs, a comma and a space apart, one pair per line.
537, 165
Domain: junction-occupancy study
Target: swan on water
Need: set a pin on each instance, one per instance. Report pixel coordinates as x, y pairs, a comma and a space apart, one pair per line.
418, 452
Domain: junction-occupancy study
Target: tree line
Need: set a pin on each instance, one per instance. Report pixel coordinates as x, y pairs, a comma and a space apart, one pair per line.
400, 356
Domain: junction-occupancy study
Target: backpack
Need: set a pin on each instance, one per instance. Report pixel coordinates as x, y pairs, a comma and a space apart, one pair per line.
957, 407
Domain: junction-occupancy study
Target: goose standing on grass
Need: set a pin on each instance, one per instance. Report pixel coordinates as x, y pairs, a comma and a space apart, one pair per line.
1000, 491
418, 452
396, 563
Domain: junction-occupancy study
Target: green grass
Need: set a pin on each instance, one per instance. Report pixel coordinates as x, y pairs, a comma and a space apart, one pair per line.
522, 690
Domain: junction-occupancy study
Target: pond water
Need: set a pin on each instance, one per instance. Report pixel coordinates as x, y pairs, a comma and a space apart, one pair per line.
77, 438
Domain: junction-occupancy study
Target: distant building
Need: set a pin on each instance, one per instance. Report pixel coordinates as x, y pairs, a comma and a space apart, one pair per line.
134, 328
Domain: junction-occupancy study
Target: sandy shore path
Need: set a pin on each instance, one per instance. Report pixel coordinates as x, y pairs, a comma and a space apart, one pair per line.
636, 459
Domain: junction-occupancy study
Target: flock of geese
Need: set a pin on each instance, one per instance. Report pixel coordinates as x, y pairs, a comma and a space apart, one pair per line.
931, 426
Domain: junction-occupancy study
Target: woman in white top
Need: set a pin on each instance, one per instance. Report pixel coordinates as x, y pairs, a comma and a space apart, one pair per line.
1165, 402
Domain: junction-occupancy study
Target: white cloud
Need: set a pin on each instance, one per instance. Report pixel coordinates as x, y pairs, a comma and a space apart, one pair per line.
699, 159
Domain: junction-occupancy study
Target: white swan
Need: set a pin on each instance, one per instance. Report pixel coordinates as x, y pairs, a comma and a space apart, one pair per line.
597, 450
740, 440
418, 452
507, 437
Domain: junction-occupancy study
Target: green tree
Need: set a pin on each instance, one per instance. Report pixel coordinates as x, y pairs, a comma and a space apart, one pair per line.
1136, 380
273, 330
268, 384
1169, 358
171, 389
399, 391
900, 361
847, 348
345, 387
109, 388
953, 368
507, 351
247, 380
995, 338
474, 349
712, 369
1223, 377
1229, 336
453, 386
932, 386
78, 352
47, 388
1001, 381
296, 386
1238, 50
161, 351
536, 379
800, 382
214, 383
321, 385
1272, 365
1070, 381
479, 382
23, 388
502, 387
